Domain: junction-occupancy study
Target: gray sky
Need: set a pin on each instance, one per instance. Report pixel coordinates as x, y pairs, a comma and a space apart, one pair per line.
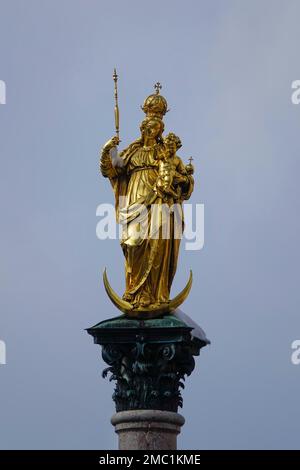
226, 69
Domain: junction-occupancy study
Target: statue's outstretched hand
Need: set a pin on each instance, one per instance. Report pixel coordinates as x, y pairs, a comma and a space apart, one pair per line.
111, 143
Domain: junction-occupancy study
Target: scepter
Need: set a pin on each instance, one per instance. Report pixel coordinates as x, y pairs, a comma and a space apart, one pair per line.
117, 117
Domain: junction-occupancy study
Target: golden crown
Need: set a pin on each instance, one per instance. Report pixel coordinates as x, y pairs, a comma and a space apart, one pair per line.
155, 105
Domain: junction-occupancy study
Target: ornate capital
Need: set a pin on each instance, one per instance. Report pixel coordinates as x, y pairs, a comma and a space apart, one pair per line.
148, 360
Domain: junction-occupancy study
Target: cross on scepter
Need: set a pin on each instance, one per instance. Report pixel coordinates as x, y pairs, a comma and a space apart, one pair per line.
157, 87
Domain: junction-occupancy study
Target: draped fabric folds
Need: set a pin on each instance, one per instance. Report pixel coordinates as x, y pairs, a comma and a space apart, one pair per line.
151, 225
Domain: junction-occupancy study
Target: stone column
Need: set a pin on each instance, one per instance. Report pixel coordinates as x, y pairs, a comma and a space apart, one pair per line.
147, 429
148, 360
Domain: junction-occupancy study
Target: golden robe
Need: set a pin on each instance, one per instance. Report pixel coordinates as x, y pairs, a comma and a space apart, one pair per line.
150, 241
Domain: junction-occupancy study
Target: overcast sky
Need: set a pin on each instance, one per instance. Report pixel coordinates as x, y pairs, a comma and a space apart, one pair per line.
226, 68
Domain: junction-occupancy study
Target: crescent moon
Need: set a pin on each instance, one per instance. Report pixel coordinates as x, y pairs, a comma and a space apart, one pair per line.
147, 312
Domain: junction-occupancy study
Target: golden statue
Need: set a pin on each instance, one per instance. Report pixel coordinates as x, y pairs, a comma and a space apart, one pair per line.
150, 182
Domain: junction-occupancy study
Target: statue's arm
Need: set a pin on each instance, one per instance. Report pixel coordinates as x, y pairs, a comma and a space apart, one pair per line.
180, 176
185, 178
107, 169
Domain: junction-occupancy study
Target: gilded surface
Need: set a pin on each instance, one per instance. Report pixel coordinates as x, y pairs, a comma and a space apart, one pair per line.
150, 183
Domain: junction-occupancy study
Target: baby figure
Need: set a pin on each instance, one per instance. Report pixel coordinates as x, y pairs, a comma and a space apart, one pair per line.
169, 166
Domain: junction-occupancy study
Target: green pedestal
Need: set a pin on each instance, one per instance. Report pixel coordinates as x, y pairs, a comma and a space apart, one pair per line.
148, 359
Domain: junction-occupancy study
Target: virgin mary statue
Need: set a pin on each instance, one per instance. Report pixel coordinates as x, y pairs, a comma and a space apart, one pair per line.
150, 214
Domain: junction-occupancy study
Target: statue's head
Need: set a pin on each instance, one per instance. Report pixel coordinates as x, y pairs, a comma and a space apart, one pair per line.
152, 127
172, 142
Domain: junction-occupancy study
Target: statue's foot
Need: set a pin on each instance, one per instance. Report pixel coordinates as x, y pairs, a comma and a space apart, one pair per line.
128, 297
144, 301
